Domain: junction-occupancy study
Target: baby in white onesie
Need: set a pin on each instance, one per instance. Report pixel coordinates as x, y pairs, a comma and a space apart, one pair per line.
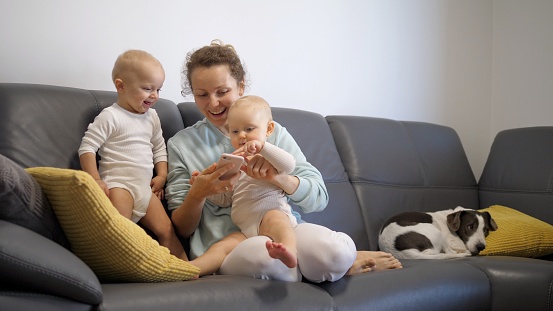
128, 137
260, 207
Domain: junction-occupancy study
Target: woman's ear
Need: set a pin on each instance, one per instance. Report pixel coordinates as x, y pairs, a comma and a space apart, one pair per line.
241, 88
270, 128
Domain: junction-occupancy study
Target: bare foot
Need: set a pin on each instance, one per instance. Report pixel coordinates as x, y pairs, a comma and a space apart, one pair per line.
362, 266
367, 261
279, 251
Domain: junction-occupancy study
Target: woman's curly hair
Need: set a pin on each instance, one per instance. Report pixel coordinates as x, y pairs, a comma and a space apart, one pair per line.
217, 53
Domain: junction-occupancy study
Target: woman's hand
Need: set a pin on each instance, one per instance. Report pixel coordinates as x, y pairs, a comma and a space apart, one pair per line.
258, 167
207, 182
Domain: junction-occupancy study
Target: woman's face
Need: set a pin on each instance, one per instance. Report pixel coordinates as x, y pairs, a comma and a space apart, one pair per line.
215, 90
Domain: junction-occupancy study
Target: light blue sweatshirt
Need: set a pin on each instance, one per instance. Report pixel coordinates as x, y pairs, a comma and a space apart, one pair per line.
199, 146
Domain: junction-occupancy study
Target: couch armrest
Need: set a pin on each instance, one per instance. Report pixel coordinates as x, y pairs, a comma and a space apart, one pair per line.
31, 261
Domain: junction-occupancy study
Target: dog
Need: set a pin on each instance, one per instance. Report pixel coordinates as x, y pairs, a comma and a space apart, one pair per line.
452, 233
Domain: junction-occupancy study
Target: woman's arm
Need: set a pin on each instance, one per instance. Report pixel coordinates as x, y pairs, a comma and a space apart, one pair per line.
186, 200
187, 216
310, 192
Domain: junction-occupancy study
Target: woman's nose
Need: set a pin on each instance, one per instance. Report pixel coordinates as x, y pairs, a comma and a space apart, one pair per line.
213, 102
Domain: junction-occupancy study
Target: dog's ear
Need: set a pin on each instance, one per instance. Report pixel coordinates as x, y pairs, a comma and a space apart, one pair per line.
490, 223
454, 221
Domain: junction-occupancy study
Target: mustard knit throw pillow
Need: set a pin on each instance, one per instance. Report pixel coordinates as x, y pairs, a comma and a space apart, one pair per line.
115, 248
518, 234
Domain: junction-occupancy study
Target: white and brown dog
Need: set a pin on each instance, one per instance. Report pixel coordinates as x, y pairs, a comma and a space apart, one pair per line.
453, 233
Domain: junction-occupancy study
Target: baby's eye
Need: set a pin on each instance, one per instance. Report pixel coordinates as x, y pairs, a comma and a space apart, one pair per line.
249, 129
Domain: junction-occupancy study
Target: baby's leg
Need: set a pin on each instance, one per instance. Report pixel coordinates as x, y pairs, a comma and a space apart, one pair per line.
122, 200
277, 226
279, 251
213, 258
157, 220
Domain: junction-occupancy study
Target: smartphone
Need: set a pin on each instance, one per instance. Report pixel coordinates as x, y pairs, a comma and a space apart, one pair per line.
227, 158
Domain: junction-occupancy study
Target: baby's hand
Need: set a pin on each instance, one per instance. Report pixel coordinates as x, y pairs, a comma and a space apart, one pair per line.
103, 185
250, 148
157, 185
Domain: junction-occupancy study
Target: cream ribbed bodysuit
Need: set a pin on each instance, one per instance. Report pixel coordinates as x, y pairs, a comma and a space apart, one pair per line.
129, 145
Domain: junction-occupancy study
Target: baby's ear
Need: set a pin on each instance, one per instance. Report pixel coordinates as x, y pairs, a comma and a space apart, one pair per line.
119, 84
270, 128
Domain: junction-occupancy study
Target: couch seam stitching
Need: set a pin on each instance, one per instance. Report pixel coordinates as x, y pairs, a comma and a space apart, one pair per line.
412, 143
550, 295
95, 99
545, 192
412, 186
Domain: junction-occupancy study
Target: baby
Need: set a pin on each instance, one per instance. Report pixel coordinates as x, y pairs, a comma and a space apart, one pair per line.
259, 207
128, 137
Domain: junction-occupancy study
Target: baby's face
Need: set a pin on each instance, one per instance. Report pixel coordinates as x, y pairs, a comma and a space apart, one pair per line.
247, 124
141, 88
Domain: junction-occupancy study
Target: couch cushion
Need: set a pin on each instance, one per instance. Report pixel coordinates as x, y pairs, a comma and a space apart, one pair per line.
421, 285
518, 234
217, 293
116, 249
22, 202
398, 166
50, 137
519, 172
31, 262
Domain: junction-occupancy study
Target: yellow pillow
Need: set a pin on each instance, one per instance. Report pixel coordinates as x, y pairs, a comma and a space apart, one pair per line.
517, 234
115, 248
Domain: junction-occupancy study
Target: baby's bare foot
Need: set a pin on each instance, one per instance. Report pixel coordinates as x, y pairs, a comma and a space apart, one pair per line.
279, 251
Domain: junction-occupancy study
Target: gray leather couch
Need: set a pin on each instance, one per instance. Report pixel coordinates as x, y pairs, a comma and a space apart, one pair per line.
373, 168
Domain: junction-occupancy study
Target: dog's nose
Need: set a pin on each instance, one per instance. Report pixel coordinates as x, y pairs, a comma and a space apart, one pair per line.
480, 247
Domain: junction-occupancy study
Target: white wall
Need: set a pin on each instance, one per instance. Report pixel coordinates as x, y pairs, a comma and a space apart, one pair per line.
523, 64
421, 60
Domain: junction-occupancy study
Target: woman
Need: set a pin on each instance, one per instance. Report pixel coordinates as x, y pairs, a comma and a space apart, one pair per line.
216, 78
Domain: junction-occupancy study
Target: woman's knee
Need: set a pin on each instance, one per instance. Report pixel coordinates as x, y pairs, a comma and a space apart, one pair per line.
250, 258
324, 254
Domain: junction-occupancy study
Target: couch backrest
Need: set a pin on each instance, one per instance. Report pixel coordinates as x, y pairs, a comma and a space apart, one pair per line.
311, 132
42, 125
399, 166
519, 172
